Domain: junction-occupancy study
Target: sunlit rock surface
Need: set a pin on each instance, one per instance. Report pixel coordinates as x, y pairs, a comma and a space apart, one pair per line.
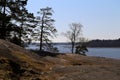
17, 63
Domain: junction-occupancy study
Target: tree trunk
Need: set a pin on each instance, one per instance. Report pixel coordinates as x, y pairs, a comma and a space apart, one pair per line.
41, 36
3, 29
73, 45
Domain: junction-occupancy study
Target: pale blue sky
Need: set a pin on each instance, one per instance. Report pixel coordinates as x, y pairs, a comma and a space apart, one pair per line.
100, 18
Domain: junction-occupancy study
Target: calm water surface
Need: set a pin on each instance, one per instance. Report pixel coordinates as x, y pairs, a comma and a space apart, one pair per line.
104, 52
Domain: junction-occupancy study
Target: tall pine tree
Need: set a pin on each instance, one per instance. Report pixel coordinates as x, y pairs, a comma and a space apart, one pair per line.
16, 21
45, 28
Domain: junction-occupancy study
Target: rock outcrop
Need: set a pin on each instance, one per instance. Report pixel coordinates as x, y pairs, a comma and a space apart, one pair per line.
17, 63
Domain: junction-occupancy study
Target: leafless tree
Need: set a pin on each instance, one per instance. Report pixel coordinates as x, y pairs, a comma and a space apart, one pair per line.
74, 34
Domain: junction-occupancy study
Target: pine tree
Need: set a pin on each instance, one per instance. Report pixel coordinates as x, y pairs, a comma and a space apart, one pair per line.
45, 28
20, 20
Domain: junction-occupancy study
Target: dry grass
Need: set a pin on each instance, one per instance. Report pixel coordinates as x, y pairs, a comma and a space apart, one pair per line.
61, 67
84, 68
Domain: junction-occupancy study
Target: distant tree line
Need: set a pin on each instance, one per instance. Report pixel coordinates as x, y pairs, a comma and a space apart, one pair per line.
104, 43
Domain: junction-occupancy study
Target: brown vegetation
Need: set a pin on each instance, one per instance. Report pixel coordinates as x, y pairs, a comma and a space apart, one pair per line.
17, 63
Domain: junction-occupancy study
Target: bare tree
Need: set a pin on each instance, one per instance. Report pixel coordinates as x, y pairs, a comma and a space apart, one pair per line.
74, 34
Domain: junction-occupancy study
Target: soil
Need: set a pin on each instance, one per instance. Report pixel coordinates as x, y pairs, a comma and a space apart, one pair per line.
17, 63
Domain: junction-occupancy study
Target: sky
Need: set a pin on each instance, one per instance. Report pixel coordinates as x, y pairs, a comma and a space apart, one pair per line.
100, 18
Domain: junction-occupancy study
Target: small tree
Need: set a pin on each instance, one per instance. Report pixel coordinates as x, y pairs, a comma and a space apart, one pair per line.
81, 47
45, 27
73, 34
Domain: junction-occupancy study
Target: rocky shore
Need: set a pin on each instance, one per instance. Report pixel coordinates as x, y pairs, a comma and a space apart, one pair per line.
17, 63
